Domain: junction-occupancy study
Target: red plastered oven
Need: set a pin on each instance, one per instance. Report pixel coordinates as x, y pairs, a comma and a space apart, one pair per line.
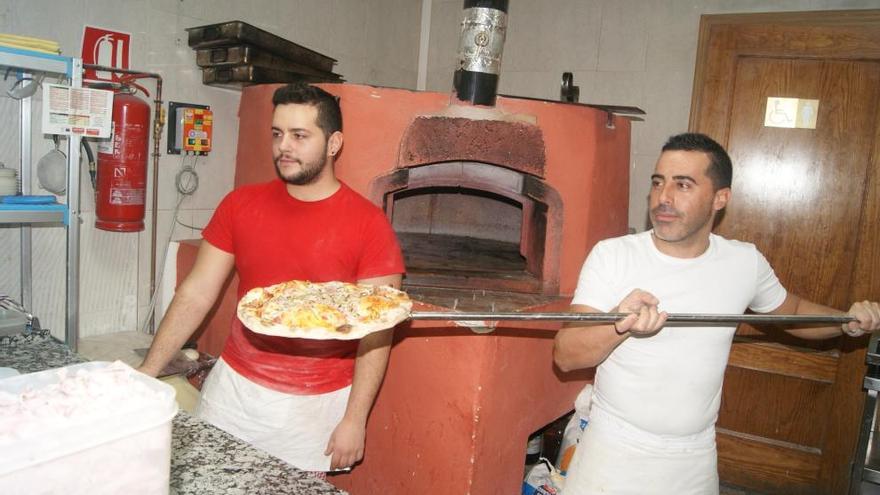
496, 208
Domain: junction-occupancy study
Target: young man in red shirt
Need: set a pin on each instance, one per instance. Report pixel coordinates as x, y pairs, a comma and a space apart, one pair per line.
305, 401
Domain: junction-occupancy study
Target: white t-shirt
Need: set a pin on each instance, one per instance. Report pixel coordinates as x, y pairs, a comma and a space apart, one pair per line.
669, 383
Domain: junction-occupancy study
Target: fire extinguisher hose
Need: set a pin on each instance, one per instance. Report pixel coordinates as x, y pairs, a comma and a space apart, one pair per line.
93, 165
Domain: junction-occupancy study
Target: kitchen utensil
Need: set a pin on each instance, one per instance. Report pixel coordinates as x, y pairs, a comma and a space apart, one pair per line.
231, 56
25, 87
42, 199
12, 322
252, 74
485, 322
711, 319
52, 170
181, 363
238, 32
8, 181
6, 302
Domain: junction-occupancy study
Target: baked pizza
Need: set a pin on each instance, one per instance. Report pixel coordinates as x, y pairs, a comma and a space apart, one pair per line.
329, 310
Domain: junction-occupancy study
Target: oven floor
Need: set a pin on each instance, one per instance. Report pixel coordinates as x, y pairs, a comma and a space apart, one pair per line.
452, 252
459, 261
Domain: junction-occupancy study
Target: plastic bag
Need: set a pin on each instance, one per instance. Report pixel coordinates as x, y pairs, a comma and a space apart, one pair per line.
574, 429
543, 479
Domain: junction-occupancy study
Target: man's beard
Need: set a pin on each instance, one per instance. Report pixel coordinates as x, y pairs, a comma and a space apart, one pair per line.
308, 171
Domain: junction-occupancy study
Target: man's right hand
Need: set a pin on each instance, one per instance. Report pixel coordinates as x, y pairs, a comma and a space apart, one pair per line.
644, 319
578, 346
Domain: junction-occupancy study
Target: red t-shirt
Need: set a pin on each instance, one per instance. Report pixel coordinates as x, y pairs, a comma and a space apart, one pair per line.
276, 238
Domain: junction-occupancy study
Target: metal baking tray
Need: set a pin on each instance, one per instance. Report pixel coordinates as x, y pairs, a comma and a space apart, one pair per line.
242, 75
226, 56
238, 32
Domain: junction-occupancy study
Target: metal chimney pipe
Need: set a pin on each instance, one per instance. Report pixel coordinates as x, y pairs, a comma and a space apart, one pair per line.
480, 46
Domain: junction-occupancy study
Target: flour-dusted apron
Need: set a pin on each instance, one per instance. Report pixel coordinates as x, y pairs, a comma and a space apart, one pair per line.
614, 457
295, 428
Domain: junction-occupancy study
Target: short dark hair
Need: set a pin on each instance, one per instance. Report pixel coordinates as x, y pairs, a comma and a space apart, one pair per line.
329, 114
720, 169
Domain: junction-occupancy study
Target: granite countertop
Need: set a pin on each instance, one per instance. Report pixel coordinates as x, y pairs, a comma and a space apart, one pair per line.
204, 459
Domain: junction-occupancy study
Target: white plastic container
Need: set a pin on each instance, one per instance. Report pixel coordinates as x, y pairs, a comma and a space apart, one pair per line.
124, 448
575, 428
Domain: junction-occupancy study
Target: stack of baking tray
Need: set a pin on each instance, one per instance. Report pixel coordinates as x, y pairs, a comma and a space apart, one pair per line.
235, 54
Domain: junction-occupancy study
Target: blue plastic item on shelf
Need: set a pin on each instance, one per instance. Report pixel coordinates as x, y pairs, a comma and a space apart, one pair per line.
6, 207
44, 199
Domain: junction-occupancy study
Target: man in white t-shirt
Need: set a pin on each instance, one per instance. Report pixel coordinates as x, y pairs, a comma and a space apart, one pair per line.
657, 390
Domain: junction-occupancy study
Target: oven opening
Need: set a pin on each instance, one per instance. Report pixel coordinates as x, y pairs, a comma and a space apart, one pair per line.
459, 237
474, 235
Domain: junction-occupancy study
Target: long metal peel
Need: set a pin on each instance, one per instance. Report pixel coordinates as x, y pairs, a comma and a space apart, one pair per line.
612, 317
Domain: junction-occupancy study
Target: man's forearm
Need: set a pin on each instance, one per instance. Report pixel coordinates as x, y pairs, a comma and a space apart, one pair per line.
191, 303
369, 370
183, 317
370, 363
805, 307
578, 346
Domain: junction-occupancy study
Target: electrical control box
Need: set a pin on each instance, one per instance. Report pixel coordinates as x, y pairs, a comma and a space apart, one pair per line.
197, 125
191, 129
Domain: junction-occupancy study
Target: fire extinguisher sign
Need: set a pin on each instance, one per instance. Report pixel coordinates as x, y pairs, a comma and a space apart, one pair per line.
107, 48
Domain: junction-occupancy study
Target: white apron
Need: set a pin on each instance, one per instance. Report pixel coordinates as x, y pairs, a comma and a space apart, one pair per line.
614, 457
294, 428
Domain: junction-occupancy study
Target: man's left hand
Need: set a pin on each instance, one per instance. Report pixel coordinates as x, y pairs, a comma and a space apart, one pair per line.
868, 315
346, 444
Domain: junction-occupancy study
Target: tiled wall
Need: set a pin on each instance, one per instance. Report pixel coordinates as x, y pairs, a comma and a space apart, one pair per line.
628, 52
375, 42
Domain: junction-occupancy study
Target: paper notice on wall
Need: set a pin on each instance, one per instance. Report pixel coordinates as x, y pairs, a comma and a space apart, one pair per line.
83, 111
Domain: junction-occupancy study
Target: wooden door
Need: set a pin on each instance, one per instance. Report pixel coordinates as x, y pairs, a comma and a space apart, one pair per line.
810, 200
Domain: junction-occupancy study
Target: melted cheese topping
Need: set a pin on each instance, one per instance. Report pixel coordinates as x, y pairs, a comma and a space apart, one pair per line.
333, 306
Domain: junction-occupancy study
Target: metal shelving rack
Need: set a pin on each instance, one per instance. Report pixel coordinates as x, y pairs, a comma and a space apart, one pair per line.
866, 465
30, 63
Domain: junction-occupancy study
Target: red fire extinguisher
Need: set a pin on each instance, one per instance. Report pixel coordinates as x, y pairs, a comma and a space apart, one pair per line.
121, 185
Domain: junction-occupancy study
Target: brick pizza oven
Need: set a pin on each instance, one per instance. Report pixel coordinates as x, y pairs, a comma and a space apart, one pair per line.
496, 209
496, 202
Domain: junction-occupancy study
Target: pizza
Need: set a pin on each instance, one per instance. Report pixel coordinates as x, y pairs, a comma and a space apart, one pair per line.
329, 310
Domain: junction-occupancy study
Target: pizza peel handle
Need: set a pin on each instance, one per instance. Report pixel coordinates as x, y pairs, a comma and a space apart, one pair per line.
708, 319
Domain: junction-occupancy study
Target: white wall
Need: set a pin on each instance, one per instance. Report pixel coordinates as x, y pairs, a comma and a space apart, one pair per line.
626, 52
374, 42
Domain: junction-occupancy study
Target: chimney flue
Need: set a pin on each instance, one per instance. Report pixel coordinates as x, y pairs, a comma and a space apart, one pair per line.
483, 30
